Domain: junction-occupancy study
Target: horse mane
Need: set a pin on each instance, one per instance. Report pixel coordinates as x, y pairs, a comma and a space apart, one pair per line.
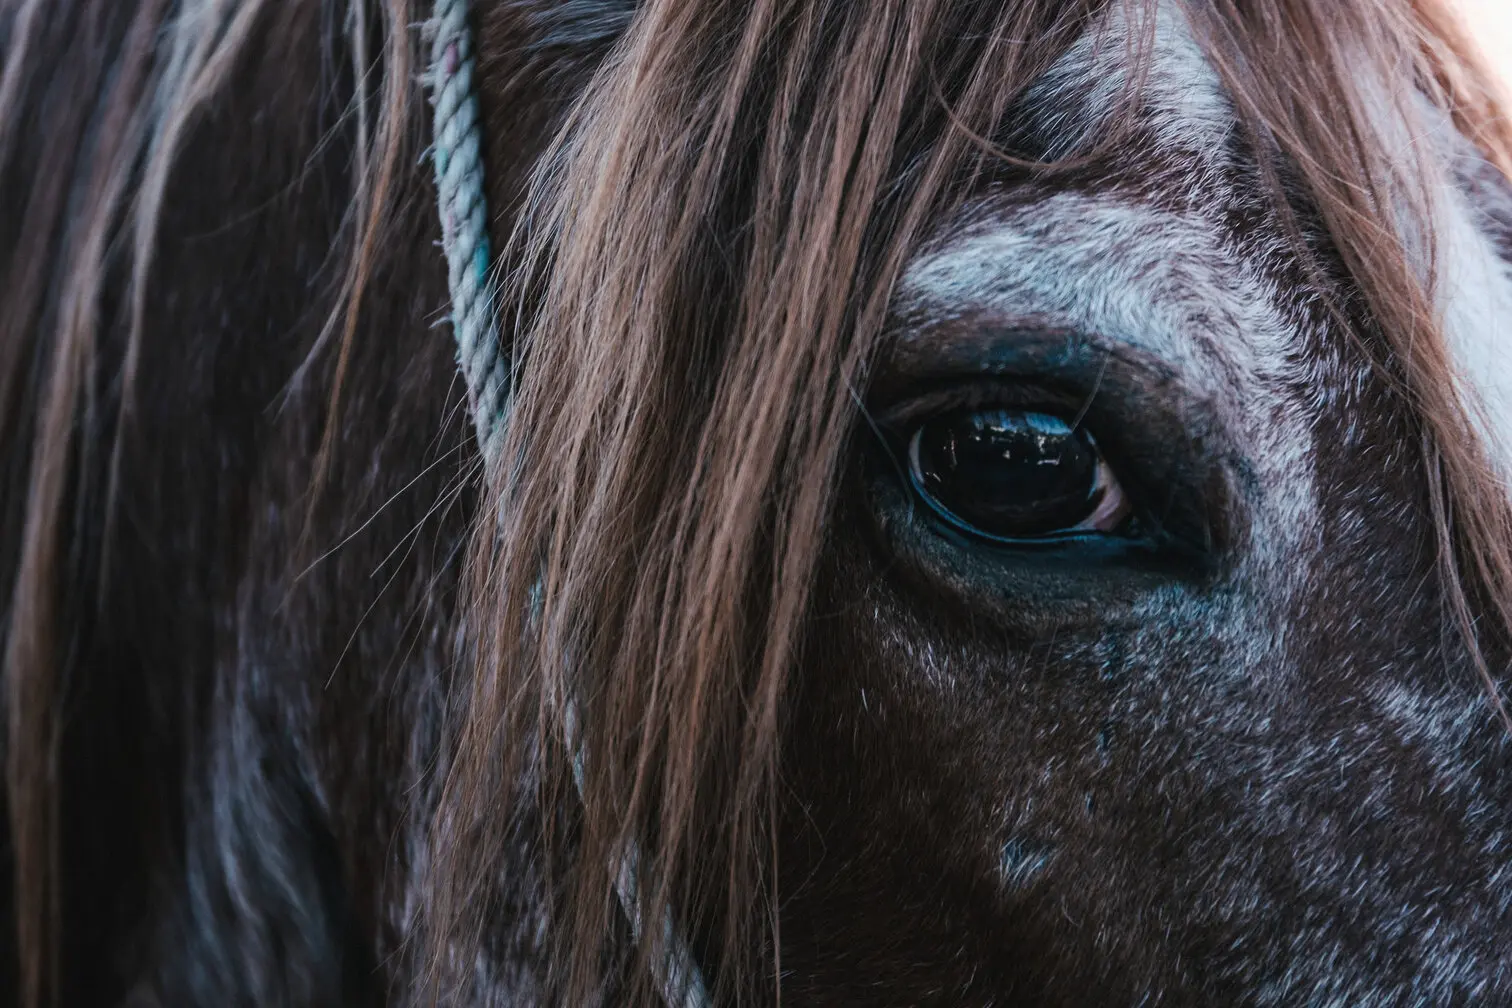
100, 101
698, 273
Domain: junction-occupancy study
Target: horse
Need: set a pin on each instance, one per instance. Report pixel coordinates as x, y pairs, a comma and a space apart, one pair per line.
995, 502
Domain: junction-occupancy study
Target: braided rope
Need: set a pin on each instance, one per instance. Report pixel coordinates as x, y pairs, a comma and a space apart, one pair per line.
463, 206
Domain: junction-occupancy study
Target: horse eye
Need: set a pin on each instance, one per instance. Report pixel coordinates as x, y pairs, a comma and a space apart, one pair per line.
1011, 475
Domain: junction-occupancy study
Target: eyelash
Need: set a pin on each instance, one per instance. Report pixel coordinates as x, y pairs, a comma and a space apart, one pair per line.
948, 396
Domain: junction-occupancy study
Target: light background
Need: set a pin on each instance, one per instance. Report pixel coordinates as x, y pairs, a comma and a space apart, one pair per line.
1490, 23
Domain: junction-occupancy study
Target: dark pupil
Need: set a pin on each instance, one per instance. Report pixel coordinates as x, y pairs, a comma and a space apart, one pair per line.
1005, 473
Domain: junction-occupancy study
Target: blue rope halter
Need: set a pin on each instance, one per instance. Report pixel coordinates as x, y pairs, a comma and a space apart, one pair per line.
463, 206
462, 203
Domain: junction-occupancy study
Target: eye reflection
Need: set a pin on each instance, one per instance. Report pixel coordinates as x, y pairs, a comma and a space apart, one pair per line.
1013, 474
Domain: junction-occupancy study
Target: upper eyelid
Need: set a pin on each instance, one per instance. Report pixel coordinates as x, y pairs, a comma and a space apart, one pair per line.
968, 347
978, 394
